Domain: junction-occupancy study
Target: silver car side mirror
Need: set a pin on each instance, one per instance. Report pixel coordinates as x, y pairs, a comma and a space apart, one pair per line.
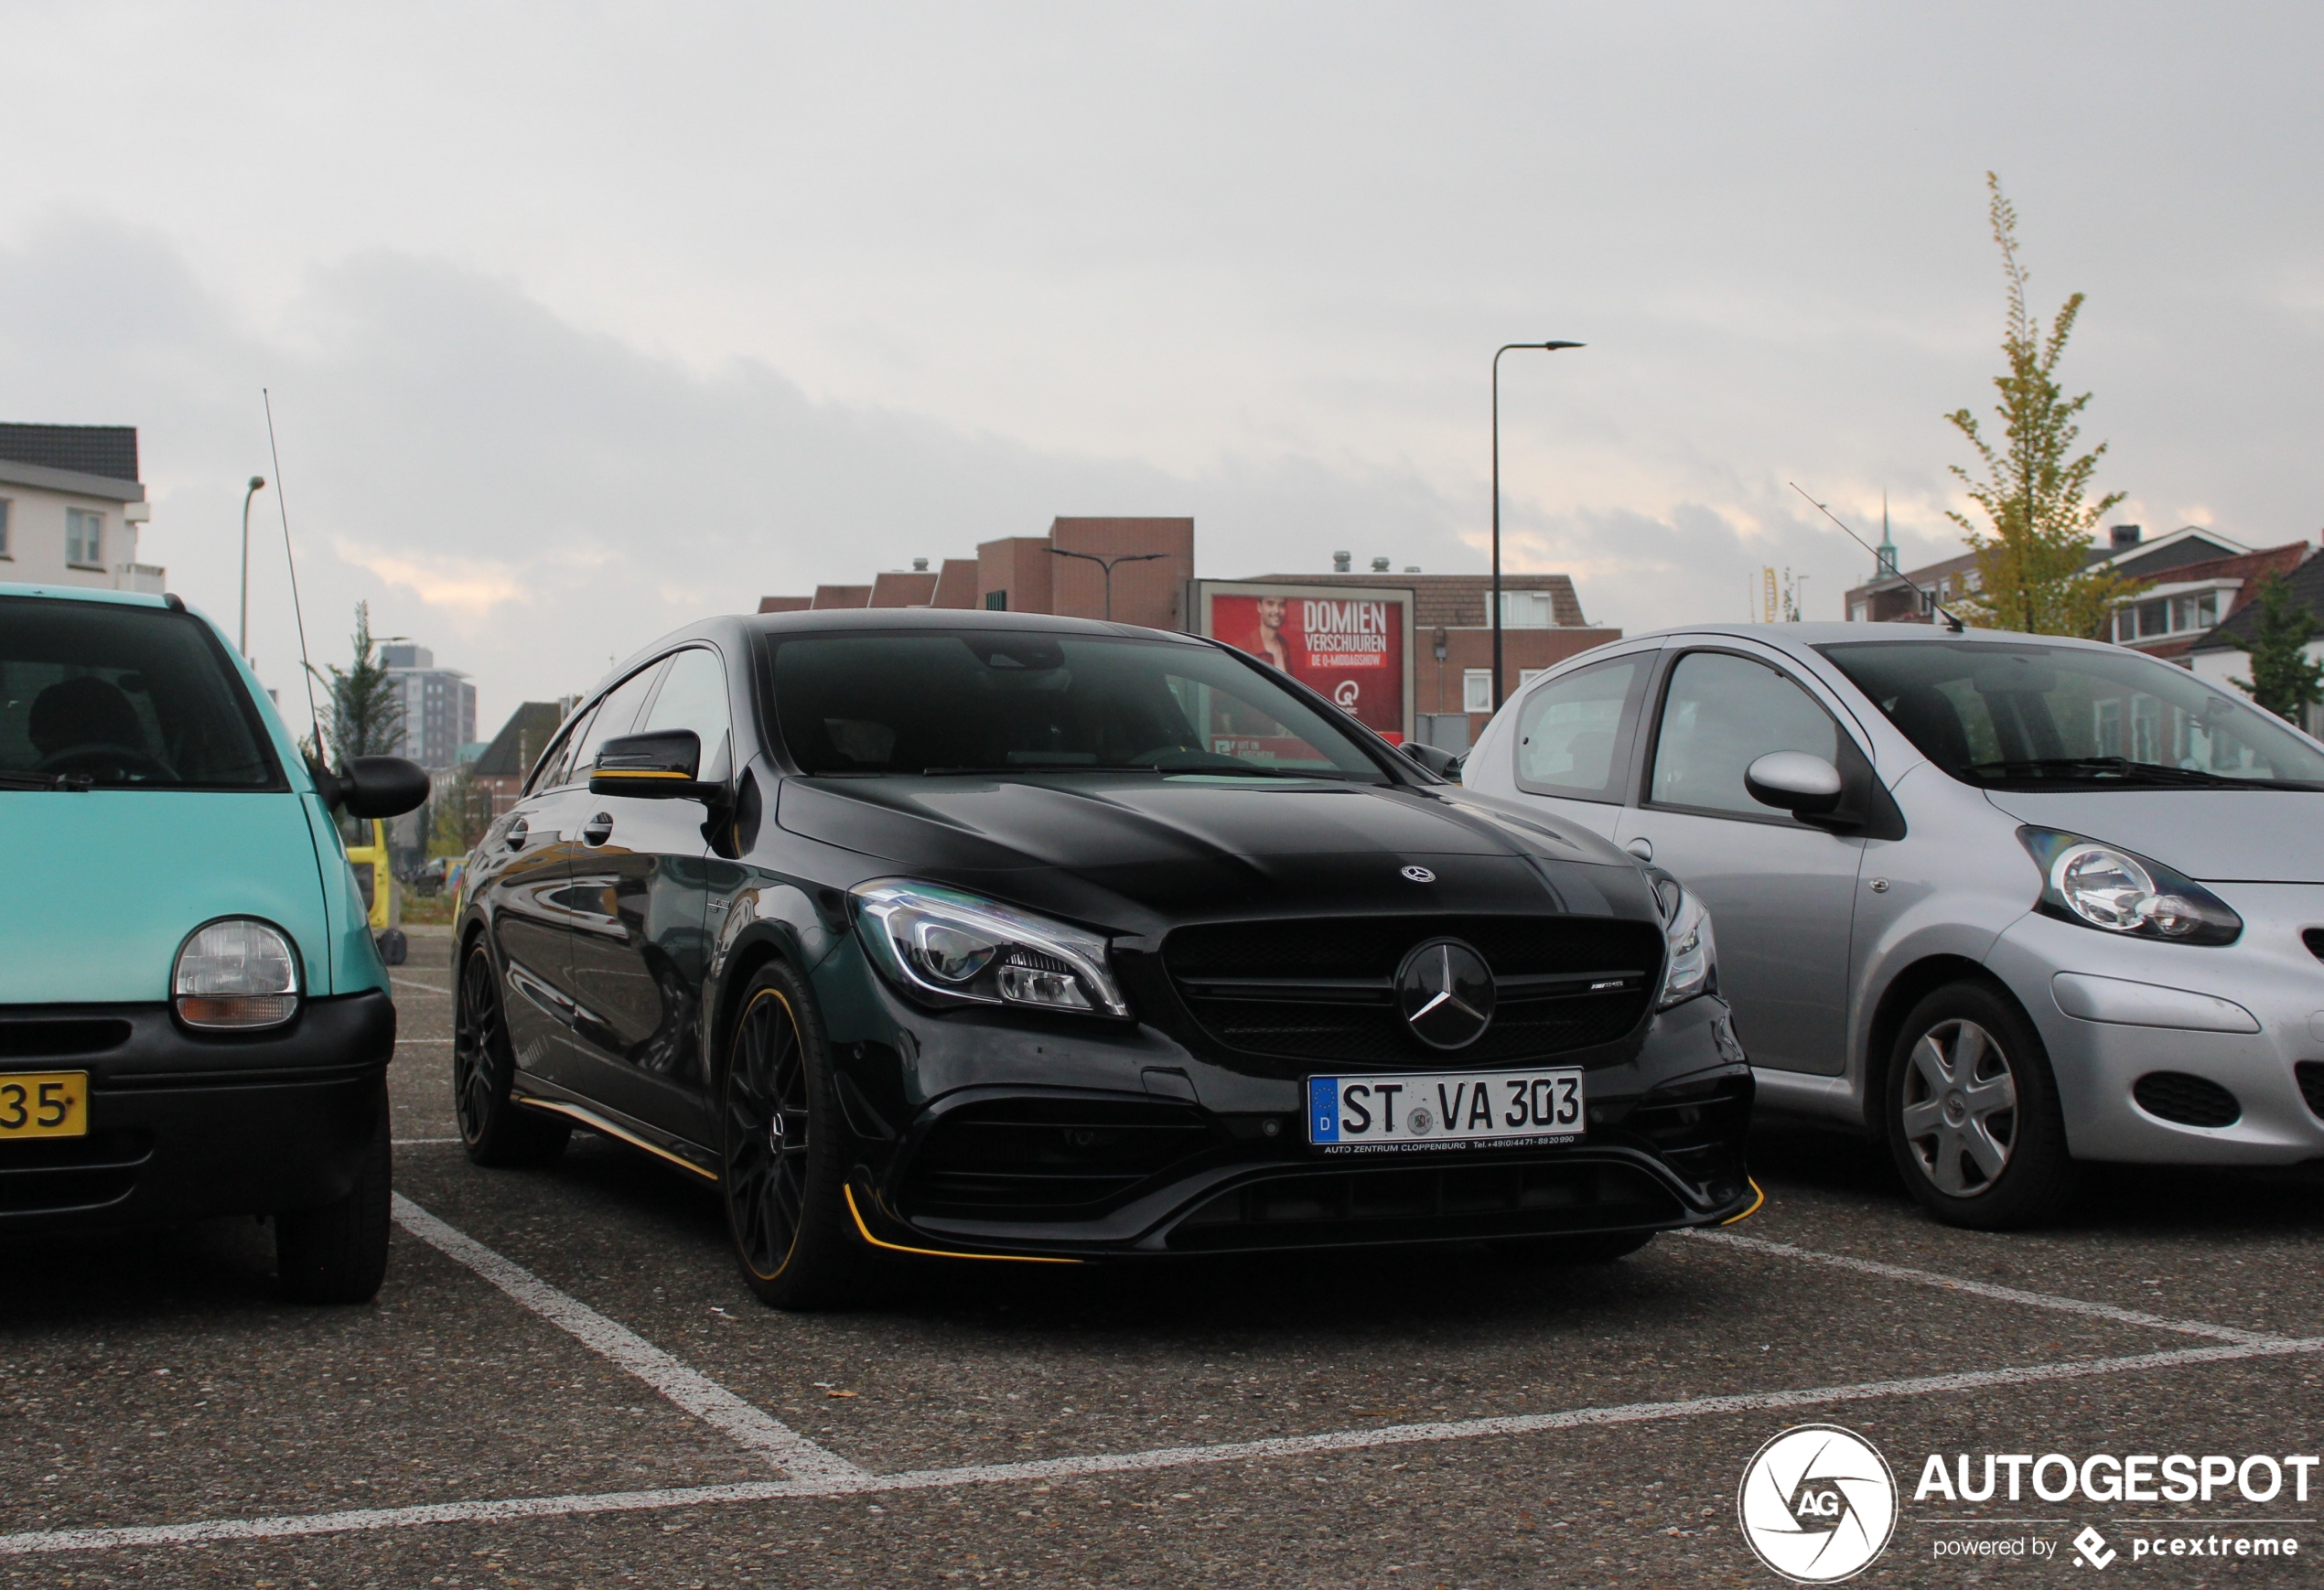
1793, 781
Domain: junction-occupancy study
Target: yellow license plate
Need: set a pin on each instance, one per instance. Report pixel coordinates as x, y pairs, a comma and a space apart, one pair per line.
43, 1104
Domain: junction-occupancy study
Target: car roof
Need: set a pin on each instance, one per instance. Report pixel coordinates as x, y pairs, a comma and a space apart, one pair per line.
1826, 634
86, 594
859, 620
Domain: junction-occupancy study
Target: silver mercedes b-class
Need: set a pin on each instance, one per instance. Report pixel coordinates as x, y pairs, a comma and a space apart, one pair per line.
2008, 902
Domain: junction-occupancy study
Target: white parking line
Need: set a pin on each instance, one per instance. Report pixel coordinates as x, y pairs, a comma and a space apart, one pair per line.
858, 1482
696, 1392
408, 983
422, 1142
400, 1042
1987, 1289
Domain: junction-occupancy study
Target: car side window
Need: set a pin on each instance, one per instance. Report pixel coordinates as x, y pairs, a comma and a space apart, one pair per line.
617, 715
1720, 713
1571, 732
694, 696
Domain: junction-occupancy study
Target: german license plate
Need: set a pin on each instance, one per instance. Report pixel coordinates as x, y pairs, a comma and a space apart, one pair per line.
43, 1104
1445, 1110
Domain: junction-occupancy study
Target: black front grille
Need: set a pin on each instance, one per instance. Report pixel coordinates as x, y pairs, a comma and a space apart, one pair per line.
1325, 1208
48, 1037
50, 1175
1060, 1159
2311, 1076
2189, 1100
1323, 989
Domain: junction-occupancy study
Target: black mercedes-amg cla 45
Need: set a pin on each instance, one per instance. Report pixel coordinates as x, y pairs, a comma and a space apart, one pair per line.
983, 935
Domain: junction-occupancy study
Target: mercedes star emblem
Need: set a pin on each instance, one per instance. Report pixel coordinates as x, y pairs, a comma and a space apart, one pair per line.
1445, 992
1420, 875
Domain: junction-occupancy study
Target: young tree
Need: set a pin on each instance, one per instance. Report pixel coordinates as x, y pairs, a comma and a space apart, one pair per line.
366, 717
2282, 680
2035, 492
459, 814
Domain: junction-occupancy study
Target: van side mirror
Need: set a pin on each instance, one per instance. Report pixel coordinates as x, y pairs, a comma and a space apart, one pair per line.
662, 765
371, 787
1436, 758
1793, 781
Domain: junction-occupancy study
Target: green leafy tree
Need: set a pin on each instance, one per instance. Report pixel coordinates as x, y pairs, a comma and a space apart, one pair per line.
2282, 680
459, 812
366, 713
2035, 489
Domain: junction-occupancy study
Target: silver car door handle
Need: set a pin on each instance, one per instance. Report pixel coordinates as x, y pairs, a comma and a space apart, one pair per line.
597, 830
517, 831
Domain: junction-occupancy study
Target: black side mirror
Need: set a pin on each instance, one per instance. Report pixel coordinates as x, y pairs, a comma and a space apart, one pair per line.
662, 765
1793, 781
1436, 759
372, 785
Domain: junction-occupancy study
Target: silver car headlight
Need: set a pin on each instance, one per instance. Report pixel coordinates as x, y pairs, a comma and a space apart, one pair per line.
235, 975
944, 946
1690, 955
2117, 891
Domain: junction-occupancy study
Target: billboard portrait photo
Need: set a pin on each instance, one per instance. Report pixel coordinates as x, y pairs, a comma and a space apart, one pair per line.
1351, 645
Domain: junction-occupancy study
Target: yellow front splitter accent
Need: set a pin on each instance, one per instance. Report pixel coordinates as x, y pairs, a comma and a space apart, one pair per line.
939, 1252
1759, 1197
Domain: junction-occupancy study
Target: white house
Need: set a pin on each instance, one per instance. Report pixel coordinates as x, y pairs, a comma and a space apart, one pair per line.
71, 507
2221, 655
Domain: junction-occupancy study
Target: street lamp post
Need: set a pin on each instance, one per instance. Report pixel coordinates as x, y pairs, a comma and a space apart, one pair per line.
257, 484
1547, 347
1107, 564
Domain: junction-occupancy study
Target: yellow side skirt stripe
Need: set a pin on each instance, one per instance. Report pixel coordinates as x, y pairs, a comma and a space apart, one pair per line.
596, 1122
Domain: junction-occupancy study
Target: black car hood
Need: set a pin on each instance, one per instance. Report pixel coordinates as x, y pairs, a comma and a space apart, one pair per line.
1138, 852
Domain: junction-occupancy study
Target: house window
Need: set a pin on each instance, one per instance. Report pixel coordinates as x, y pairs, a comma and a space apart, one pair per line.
2183, 615
84, 537
996, 601
1527, 610
1857, 612
1526, 676
1476, 690
4, 506
2107, 727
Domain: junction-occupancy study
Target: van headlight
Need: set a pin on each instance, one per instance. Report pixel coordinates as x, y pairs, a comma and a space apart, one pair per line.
945, 947
233, 975
2117, 891
1690, 955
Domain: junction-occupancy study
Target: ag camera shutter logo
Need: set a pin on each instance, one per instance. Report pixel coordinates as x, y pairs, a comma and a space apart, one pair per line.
1817, 1504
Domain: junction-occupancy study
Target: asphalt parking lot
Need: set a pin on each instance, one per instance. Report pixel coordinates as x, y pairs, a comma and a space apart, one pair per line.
562, 1384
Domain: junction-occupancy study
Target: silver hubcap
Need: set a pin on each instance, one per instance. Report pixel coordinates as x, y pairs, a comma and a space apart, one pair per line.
1960, 1114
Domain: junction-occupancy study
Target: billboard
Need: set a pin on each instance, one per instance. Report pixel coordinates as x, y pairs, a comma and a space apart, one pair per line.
1352, 644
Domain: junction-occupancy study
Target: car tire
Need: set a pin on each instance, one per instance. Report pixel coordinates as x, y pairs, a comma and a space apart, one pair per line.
497, 1131
339, 1253
1595, 1248
1970, 1112
782, 1152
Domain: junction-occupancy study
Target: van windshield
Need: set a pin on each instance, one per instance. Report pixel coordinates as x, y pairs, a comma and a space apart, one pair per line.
105, 695
1032, 703
2036, 717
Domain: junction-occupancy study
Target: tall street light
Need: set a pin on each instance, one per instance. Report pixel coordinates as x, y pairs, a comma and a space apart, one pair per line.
1547, 347
1107, 564
257, 484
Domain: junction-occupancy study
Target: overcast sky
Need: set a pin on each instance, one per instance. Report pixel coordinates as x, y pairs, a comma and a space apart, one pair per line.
584, 320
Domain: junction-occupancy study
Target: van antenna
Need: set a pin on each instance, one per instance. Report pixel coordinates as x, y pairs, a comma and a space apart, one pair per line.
315, 716
1927, 597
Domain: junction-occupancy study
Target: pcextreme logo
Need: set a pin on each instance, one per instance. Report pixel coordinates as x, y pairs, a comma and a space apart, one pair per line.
1818, 1503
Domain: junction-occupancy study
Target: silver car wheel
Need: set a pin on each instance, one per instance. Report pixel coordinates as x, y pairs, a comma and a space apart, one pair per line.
1960, 1108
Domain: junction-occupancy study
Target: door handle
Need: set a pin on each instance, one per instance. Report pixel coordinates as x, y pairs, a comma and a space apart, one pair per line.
516, 834
1641, 847
597, 830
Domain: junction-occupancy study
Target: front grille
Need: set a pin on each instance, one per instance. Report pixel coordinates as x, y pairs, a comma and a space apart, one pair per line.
2189, 1100
2311, 1076
1060, 1159
1326, 1207
56, 1037
52, 1174
1323, 989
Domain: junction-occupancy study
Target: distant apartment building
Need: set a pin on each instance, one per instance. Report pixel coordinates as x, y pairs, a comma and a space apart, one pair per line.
71, 507
1065, 573
440, 705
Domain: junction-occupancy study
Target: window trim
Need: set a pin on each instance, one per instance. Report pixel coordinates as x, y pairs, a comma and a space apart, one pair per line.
1466, 676
1619, 769
1643, 775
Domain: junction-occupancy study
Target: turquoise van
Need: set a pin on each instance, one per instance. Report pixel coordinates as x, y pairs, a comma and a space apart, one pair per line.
193, 1018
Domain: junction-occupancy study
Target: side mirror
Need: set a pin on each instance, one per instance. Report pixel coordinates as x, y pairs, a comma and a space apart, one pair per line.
372, 785
658, 766
1436, 759
1793, 781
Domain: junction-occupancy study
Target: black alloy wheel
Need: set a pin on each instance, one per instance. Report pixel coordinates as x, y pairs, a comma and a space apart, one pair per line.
337, 1253
496, 1129
782, 1169
1970, 1112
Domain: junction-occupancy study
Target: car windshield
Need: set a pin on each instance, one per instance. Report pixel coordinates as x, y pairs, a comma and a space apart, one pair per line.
106, 695
2031, 716
999, 703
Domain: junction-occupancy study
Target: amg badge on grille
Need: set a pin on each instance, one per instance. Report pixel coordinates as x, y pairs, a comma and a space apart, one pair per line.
1445, 992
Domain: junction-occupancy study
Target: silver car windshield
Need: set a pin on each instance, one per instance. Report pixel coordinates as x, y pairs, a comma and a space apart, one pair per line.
2032, 716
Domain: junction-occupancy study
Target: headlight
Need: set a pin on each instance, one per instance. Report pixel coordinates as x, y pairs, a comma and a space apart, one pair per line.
2100, 886
1690, 957
235, 975
944, 947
